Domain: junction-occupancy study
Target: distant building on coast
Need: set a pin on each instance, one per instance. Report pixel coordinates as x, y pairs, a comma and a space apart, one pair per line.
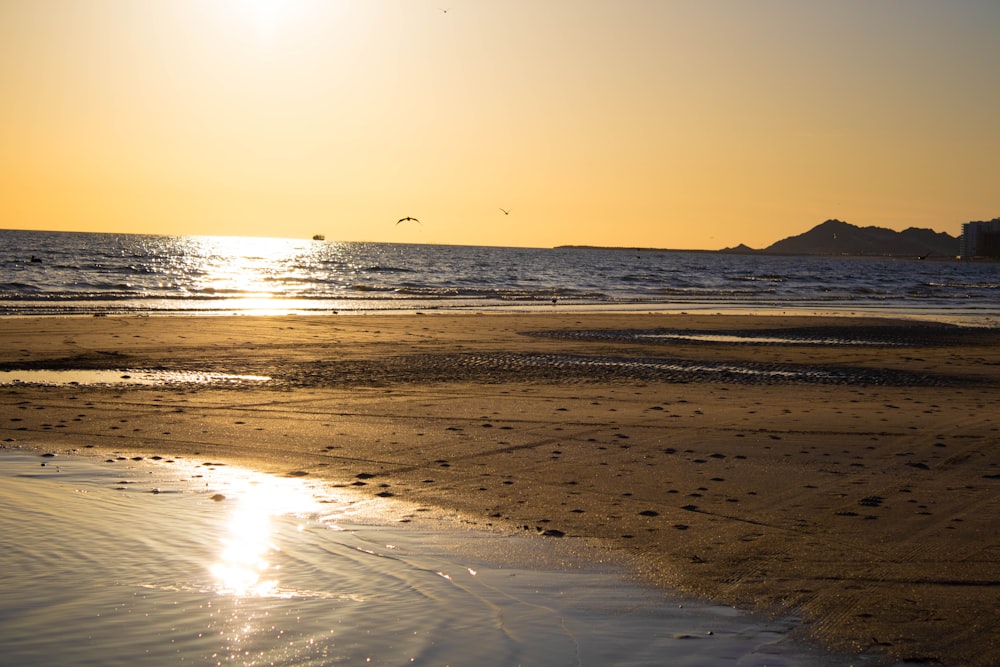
980, 239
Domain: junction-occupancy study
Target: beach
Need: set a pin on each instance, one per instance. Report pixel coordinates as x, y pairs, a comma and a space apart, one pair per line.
844, 470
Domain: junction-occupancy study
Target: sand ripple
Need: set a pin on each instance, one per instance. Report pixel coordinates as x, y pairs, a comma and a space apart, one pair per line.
563, 368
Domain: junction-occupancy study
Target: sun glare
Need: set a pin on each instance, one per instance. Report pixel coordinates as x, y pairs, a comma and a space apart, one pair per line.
245, 564
266, 13
254, 268
254, 247
264, 17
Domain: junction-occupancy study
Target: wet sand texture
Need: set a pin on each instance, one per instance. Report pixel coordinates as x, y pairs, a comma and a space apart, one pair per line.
843, 470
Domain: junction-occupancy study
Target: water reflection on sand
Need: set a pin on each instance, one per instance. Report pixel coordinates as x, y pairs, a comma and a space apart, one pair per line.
244, 565
129, 562
149, 377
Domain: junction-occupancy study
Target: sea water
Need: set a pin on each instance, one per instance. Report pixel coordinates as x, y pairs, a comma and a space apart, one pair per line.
120, 562
62, 273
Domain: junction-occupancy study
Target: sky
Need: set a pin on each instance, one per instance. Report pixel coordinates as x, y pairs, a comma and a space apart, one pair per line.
686, 124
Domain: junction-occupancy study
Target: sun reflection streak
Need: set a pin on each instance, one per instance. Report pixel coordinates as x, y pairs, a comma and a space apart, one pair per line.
245, 565
255, 269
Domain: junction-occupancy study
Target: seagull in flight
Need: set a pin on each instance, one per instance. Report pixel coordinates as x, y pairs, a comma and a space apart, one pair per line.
407, 218
505, 211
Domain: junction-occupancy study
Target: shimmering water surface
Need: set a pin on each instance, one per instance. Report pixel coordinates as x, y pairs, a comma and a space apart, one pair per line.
146, 377
76, 273
127, 562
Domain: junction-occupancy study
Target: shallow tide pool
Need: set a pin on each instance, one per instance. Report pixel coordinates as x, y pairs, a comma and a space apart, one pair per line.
123, 562
151, 377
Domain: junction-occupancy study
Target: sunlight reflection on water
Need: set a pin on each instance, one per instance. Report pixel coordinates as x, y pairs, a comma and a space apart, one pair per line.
753, 338
121, 376
158, 563
243, 567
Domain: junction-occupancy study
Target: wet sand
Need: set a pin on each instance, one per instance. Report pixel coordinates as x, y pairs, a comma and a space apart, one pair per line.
844, 470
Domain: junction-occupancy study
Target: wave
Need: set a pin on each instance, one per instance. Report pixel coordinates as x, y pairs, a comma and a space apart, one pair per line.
387, 269
765, 278
122, 272
965, 285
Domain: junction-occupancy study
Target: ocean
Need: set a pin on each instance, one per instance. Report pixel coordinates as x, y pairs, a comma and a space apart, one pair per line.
67, 273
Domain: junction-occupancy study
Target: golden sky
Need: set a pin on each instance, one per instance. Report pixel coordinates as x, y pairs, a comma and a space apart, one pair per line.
653, 123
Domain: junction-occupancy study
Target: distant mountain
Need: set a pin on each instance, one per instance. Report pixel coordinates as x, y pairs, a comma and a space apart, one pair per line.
741, 249
835, 237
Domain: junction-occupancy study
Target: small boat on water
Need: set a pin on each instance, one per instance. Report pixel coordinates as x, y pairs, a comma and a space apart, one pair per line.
318, 237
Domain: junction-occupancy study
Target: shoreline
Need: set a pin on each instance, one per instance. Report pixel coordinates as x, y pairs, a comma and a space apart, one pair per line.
973, 318
865, 504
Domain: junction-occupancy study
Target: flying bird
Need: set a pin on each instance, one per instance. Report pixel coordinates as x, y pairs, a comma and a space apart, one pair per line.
407, 218
505, 211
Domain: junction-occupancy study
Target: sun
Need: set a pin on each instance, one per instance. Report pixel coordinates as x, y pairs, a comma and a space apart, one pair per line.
264, 17
265, 12
267, 16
